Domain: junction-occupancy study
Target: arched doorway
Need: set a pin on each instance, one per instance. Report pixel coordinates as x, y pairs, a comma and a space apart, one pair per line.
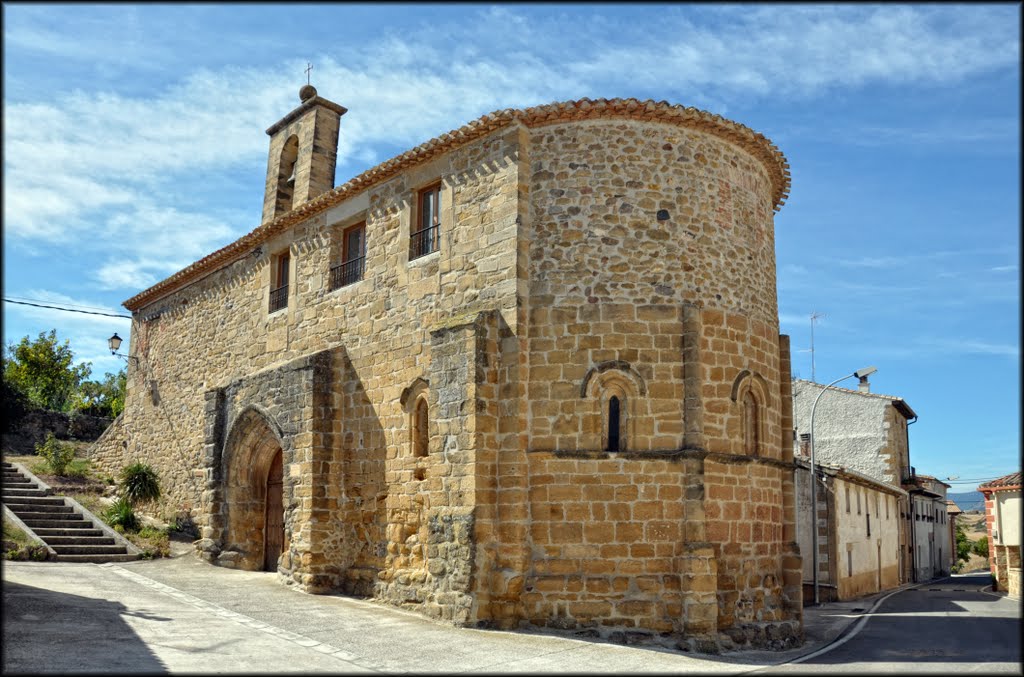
273, 534
254, 497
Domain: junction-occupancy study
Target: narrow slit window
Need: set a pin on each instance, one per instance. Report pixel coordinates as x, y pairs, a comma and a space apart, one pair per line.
614, 424
750, 436
421, 435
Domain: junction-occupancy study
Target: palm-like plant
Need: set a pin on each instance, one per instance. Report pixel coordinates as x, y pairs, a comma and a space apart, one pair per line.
139, 483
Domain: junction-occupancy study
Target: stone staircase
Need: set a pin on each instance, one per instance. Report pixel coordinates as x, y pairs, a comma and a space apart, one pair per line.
67, 529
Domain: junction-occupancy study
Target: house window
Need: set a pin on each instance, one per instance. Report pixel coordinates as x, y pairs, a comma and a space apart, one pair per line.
421, 433
614, 424
886, 507
858, 501
849, 562
353, 257
750, 436
867, 518
426, 231
279, 286
847, 499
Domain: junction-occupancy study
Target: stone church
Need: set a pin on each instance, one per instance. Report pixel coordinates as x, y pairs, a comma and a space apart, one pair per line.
526, 374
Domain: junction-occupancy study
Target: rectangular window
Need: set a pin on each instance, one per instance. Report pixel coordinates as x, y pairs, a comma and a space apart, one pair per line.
353, 257
425, 233
849, 562
886, 507
858, 501
847, 499
867, 516
279, 284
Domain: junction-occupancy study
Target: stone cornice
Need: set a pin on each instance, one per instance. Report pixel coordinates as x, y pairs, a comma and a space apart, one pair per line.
538, 116
306, 105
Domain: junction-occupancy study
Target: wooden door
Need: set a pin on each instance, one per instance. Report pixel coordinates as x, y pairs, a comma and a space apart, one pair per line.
273, 538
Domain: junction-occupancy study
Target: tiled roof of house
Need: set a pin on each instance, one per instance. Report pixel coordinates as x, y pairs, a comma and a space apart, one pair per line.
1011, 481
899, 402
952, 507
537, 116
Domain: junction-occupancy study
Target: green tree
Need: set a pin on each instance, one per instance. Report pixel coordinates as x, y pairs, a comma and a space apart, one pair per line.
963, 545
15, 404
102, 398
45, 372
981, 546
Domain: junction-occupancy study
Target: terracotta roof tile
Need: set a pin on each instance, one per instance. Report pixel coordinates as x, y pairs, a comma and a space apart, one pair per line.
1004, 482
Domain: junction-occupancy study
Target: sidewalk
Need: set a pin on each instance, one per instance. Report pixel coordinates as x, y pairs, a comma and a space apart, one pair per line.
362, 635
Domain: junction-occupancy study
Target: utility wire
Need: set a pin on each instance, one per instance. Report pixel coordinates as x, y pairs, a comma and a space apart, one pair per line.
67, 305
67, 310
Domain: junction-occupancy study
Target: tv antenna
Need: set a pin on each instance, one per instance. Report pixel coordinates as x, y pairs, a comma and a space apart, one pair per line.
814, 318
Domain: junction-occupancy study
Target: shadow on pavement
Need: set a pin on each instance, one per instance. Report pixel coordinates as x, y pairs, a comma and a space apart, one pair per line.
53, 632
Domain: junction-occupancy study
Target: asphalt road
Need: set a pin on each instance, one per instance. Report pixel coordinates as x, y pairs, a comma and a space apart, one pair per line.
949, 627
183, 615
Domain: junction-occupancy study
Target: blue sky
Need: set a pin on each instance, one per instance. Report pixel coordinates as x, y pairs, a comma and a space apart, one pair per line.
134, 145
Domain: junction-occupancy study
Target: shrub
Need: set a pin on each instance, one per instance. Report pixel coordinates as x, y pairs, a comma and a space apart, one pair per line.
981, 546
139, 483
122, 514
58, 455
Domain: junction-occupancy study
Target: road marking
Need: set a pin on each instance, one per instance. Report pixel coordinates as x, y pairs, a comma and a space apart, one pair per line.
248, 621
852, 633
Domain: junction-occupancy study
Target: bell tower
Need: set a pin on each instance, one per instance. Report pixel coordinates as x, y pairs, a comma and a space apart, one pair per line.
303, 154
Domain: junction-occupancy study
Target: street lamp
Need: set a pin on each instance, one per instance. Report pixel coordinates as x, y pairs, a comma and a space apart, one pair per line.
114, 342
861, 374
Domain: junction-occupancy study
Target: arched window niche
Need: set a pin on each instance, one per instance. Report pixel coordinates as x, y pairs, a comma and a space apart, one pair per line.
616, 388
415, 401
749, 395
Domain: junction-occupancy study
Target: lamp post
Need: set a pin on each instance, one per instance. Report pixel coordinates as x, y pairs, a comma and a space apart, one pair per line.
114, 342
861, 374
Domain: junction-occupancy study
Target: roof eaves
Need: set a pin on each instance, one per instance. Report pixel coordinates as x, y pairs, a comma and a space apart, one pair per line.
757, 144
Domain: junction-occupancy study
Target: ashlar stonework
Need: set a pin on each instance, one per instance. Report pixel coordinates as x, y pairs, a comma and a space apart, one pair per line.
590, 360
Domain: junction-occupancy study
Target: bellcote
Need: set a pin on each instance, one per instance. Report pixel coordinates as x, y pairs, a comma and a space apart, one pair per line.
303, 154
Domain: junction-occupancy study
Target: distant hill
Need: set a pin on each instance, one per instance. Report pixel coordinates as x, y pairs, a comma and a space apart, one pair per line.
968, 500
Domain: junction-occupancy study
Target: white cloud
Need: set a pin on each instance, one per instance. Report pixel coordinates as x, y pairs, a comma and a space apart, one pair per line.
103, 166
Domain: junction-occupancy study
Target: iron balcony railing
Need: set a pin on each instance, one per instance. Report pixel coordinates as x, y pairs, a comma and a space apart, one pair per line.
279, 298
347, 273
424, 242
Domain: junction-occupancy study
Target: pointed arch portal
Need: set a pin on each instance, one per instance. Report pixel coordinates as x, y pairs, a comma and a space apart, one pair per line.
254, 475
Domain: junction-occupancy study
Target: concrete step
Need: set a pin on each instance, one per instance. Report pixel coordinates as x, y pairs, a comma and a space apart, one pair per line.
33, 500
40, 515
16, 483
79, 540
10, 493
87, 530
57, 524
97, 559
89, 549
20, 509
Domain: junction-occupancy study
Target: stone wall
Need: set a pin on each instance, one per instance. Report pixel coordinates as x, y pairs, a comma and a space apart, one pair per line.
34, 426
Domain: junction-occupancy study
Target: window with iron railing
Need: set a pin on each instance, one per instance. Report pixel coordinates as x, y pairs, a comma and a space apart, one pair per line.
425, 235
353, 257
279, 292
